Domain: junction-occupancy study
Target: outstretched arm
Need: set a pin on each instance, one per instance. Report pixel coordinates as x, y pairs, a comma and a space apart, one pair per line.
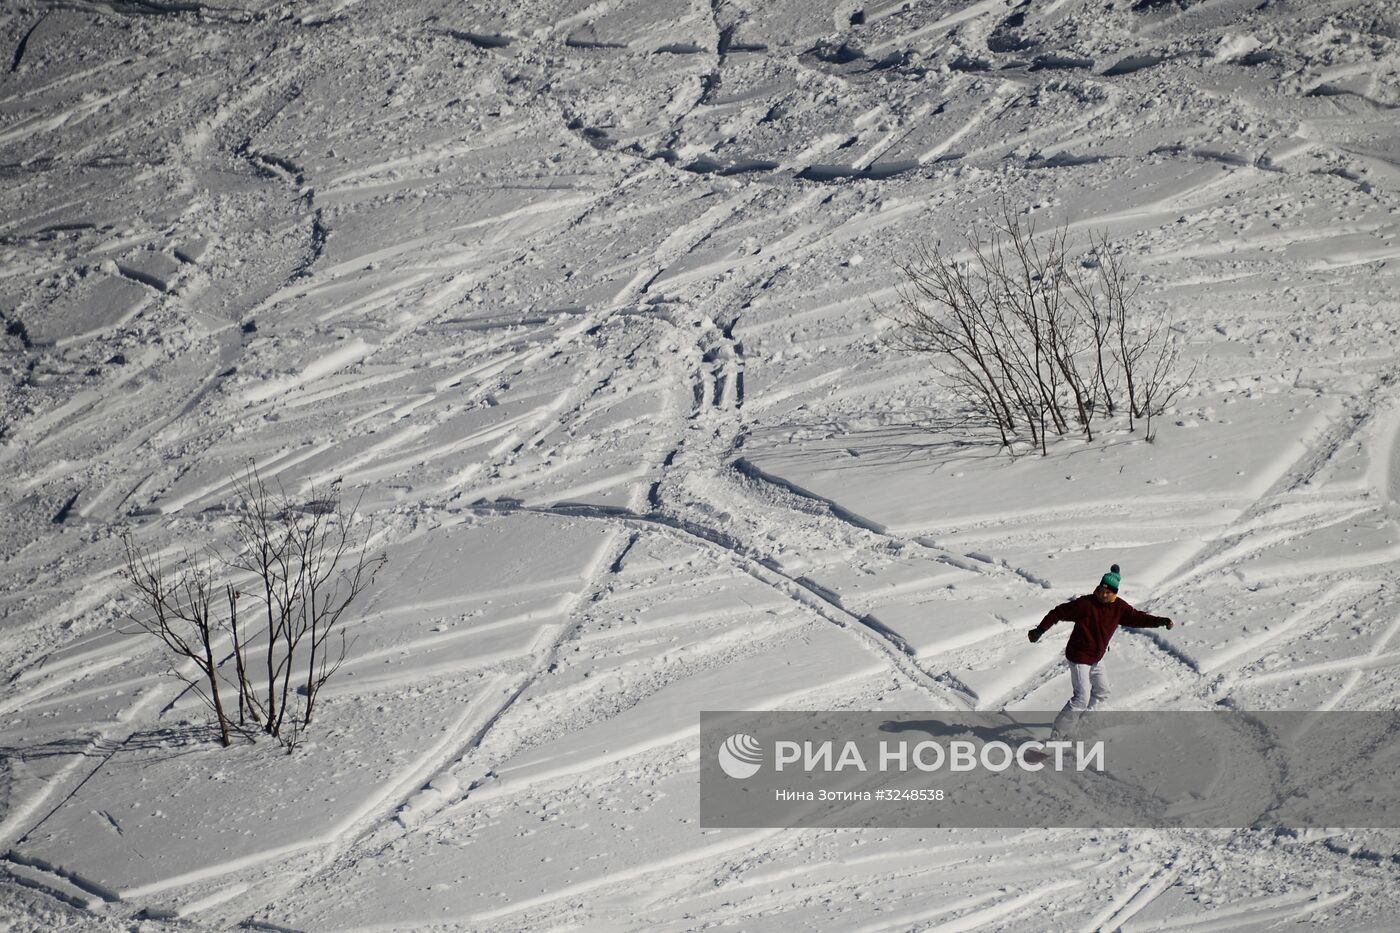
1136, 618
1064, 612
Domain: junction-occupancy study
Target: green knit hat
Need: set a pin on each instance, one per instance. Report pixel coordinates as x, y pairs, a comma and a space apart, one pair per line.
1111, 579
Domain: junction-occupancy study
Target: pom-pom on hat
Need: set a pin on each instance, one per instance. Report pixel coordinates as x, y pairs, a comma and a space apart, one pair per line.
1111, 579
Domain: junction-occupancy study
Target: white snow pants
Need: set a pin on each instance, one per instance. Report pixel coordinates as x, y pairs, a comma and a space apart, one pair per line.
1090, 683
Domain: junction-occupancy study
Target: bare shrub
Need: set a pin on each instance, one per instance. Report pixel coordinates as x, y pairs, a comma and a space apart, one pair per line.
277, 635
1157, 383
181, 614
1031, 340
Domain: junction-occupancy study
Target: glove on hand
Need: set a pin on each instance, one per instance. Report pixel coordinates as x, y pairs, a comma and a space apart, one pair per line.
1033, 635
1170, 624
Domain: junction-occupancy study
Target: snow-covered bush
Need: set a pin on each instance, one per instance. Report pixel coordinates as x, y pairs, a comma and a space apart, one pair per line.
1034, 341
263, 618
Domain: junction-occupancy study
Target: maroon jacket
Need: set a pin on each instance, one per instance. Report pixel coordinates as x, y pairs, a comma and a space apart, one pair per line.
1094, 625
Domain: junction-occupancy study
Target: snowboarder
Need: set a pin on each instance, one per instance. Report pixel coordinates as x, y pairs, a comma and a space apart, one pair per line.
1096, 617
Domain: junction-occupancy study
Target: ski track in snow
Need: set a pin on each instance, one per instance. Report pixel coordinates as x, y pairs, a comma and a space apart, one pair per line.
602, 279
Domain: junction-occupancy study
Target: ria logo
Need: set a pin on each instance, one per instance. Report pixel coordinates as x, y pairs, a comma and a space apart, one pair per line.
740, 756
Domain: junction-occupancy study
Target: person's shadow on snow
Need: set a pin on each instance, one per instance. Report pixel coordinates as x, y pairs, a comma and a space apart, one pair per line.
1011, 732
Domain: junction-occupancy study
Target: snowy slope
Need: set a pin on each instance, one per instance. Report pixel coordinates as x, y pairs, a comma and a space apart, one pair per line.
583, 296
